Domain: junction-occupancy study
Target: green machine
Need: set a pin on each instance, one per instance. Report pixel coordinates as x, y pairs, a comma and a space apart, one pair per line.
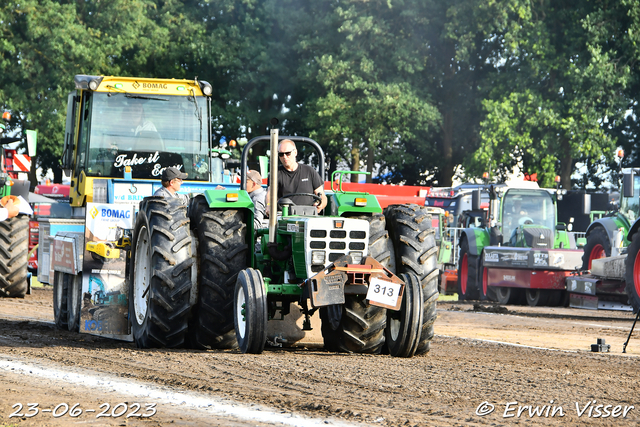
523, 254
610, 234
14, 232
371, 275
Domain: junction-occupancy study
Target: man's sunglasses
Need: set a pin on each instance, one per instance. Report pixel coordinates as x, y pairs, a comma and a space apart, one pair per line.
284, 153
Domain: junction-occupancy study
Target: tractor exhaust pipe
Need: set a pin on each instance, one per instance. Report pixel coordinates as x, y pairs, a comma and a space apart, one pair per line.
273, 194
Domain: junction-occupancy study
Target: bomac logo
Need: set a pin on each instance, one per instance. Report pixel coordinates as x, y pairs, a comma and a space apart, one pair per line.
136, 85
154, 86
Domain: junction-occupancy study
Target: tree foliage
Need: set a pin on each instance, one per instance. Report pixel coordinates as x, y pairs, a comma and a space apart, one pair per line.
410, 90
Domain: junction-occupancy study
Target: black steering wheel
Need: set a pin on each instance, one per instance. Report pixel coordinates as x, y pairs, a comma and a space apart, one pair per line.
314, 196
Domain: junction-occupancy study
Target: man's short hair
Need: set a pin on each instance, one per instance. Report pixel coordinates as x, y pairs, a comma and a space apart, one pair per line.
255, 176
288, 141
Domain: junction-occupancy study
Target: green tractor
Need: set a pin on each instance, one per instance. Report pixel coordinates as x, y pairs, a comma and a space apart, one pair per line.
524, 255
14, 232
372, 276
609, 235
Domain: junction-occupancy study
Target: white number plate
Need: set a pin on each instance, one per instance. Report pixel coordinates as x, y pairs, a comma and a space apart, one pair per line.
383, 292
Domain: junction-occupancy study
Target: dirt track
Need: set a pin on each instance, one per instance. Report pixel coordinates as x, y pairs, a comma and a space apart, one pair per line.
446, 387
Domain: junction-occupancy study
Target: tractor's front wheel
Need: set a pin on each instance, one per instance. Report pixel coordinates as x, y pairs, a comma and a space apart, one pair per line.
250, 311
415, 250
404, 326
161, 274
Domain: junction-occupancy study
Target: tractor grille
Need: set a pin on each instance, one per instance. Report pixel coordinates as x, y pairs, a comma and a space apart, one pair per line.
538, 238
336, 237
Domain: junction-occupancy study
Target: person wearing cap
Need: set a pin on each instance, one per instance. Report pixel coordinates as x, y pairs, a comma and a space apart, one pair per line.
171, 181
258, 197
9, 210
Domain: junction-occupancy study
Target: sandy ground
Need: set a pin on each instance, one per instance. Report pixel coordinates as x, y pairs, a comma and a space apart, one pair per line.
488, 365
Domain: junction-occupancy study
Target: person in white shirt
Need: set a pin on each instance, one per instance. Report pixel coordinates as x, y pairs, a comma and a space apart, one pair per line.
140, 121
258, 197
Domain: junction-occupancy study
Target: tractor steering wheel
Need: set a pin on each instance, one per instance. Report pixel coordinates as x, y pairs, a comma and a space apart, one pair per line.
314, 196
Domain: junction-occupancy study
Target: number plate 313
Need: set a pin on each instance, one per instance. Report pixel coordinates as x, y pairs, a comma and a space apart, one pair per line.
383, 293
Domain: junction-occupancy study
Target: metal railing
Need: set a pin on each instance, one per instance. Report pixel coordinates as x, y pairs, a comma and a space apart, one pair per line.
449, 250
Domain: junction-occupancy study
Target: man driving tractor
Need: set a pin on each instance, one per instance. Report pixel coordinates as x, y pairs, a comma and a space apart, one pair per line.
296, 178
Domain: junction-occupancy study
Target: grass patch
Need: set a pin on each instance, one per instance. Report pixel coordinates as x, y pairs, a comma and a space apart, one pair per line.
35, 283
443, 297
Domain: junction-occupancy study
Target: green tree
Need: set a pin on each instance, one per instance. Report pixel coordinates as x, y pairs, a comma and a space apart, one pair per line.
364, 100
556, 94
45, 43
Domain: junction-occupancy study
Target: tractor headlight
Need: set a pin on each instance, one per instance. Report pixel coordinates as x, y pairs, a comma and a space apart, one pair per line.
317, 257
356, 257
206, 87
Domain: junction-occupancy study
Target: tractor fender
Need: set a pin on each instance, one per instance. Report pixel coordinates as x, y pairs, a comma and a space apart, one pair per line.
610, 225
343, 203
634, 228
477, 238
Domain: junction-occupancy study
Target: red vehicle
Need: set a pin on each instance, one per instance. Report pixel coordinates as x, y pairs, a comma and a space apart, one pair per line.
387, 194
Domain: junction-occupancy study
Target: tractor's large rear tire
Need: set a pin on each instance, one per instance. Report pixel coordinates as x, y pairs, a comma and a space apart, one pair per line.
222, 252
414, 243
598, 246
14, 259
467, 274
357, 327
354, 327
161, 273
632, 274
250, 311
60, 283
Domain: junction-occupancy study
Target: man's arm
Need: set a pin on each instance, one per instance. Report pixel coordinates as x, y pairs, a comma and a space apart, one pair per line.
320, 192
9, 211
260, 209
318, 183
